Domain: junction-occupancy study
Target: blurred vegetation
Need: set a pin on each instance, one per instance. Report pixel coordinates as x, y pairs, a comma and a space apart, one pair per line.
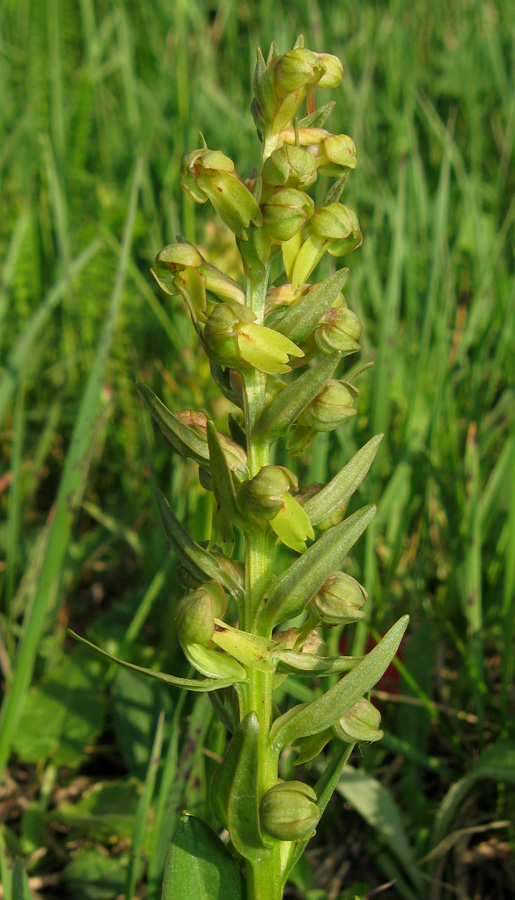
100, 100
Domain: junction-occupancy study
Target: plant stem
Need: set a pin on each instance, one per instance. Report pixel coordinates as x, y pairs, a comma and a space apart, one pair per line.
263, 874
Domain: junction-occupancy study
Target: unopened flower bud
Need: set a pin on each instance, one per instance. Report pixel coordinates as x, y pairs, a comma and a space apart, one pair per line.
339, 329
298, 68
290, 166
289, 811
195, 614
359, 724
262, 496
209, 174
333, 405
339, 600
285, 212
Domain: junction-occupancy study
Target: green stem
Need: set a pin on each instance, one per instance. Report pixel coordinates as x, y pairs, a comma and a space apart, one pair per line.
264, 874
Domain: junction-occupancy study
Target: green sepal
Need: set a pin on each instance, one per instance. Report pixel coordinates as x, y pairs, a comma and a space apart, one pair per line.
294, 589
334, 496
249, 649
208, 661
189, 684
309, 664
280, 414
235, 793
303, 316
311, 718
319, 117
223, 486
199, 866
198, 561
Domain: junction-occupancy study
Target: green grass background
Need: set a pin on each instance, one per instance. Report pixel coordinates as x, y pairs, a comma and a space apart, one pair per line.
100, 101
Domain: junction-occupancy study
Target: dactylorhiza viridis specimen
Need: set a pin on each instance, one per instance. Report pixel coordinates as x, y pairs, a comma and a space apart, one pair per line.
254, 335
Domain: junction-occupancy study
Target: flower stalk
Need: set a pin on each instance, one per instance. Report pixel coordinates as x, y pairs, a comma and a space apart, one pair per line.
235, 622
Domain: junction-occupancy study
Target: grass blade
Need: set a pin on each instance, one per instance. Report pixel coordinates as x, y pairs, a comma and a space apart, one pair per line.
68, 500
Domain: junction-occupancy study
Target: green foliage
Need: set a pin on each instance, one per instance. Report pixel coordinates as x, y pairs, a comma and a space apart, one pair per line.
212, 876
63, 715
427, 98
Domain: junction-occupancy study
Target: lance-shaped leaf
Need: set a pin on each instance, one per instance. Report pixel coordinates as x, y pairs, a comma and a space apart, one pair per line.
292, 592
235, 793
280, 414
198, 561
223, 486
186, 440
190, 684
310, 664
249, 649
338, 491
310, 718
304, 315
318, 118
183, 439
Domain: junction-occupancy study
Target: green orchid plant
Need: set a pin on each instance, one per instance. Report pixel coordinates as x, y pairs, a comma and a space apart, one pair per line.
243, 628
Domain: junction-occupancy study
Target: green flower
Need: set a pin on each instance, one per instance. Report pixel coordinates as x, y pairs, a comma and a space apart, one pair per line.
195, 614
289, 811
339, 329
333, 228
209, 174
232, 339
180, 269
290, 166
285, 212
333, 405
359, 724
339, 600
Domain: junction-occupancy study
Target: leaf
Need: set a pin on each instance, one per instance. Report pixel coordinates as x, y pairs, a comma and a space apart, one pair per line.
310, 718
198, 561
20, 889
198, 866
63, 715
223, 486
106, 811
496, 763
184, 440
338, 491
294, 589
286, 407
376, 805
235, 791
93, 876
304, 315
318, 118
191, 684
136, 704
